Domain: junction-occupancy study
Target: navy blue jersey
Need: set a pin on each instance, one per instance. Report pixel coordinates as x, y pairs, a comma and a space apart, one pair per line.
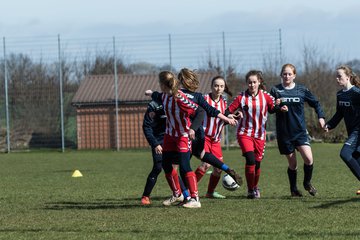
154, 123
347, 107
290, 125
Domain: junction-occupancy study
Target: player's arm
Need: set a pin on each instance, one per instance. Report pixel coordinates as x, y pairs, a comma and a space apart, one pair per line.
272, 104
335, 120
197, 121
147, 127
314, 103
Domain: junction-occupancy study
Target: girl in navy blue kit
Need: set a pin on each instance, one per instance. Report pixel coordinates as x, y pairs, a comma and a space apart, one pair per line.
348, 108
291, 126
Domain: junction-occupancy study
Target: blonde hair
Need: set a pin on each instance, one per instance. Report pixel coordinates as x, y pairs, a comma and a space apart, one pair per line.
189, 79
354, 79
288, 65
169, 80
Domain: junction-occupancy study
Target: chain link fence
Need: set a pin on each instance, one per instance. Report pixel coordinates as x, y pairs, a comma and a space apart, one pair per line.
40, 75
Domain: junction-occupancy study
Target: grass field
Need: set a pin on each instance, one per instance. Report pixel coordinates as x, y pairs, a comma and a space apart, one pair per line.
40, 200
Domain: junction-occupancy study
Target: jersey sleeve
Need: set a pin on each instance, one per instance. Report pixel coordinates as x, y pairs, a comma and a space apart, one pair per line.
186, 105
156, 96
147, 127
335, 120
270, 101
234, 105
211, 111
314, 103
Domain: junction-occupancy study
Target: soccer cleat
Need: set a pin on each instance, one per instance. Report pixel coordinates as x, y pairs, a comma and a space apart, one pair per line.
173, 200
235, 176
145, 200
215, 195
257, 193
358, 192
296, 193
251, 194
192, 203
310, 188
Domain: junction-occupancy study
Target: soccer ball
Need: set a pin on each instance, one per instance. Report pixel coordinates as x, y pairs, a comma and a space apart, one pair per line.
229, 183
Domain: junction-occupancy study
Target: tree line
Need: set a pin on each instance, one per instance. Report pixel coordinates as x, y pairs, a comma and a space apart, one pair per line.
34, 97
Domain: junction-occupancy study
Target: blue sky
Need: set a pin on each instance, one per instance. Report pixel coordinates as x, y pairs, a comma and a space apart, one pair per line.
333, 26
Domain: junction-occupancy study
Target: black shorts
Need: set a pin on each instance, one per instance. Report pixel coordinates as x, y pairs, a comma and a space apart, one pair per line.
287, 146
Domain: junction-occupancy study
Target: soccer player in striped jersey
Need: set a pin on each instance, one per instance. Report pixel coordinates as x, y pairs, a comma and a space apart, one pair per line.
190, 83
348, 108
291, 126
254, 104
176, 149
213, 129
154, 126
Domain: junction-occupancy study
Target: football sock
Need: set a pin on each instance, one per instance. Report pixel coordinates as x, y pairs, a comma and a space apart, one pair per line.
184, 190
292, 174
308, 169
199, 174
250, 176
213, 182
173, 181
213, 161
225, 167
257, 176
193, 188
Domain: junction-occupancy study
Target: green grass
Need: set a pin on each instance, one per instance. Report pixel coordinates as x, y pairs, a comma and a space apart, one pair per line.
40, 200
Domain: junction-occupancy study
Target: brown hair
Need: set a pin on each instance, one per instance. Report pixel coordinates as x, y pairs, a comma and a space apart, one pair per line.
226, 89
354, 79
189, 79
288, 65
169, 80
259, 75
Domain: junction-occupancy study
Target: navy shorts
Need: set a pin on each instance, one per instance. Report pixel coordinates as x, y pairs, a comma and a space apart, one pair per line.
287, 146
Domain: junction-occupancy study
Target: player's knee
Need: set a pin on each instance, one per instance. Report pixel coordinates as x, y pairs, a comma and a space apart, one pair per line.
257, 164
250, 158
356, 153
345, 155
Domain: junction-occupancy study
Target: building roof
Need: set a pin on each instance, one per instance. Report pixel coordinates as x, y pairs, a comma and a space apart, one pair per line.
100, 89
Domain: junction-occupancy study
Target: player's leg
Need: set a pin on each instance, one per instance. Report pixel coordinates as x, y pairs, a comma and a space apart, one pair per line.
306, 154
172, 179
201, 170
199, 152
287, 148
215, 149
259, 155
152, 178
247, 147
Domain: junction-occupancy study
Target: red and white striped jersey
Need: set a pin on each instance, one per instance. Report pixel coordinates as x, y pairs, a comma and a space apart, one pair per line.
213, 126
255, 113
178, 110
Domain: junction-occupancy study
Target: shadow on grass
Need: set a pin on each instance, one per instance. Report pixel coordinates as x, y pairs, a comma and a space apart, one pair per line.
337, 203
97, 204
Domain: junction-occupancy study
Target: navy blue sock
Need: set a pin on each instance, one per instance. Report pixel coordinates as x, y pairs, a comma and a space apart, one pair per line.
213, 161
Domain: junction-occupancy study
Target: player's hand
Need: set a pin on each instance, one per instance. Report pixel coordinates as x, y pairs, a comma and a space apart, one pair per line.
278, 101
322, 122
191, 134
284, 108
326, 128
158, 149
232, 122
148, 92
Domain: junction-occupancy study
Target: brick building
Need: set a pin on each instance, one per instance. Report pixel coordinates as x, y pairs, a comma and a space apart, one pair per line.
96, 115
